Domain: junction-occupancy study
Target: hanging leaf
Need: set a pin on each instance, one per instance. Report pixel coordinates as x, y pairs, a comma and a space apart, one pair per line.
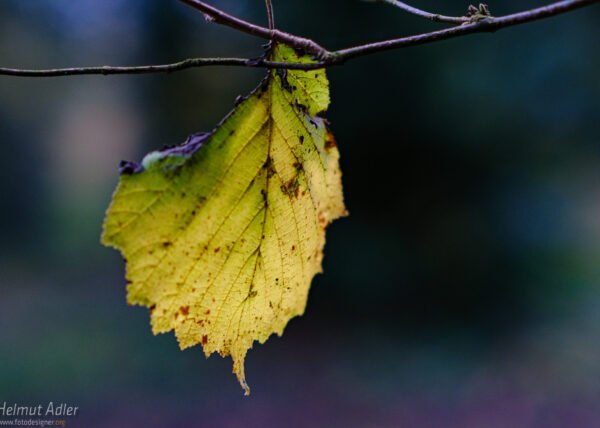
223, 234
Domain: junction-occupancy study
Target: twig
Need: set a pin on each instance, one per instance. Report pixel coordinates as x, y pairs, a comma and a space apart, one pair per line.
218, 16
141, 69
161, 68
270, 14
424, 14
333, 58
490, 24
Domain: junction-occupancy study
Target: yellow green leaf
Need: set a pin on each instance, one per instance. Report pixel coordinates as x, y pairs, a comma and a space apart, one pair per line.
223, 234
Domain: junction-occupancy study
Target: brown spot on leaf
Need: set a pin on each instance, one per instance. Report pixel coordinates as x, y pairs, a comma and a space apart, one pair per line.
301, 107
285, 84
269, 167
330, 142
292, 187
204, 339
322, 220
185, 310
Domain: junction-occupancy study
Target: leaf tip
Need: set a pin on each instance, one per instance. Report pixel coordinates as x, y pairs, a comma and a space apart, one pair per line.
239, 370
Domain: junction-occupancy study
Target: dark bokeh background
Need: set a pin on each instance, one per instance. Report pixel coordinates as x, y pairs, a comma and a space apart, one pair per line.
463, 290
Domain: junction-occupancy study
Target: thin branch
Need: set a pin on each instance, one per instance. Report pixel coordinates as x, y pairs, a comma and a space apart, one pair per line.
162, 68
270, 14
218, 16
488, 24
424, 14
141, 69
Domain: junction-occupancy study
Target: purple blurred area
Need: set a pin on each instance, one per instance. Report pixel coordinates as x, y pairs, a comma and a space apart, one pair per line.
463, 291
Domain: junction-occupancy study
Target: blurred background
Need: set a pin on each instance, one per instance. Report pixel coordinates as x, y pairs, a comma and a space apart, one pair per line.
463, 290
